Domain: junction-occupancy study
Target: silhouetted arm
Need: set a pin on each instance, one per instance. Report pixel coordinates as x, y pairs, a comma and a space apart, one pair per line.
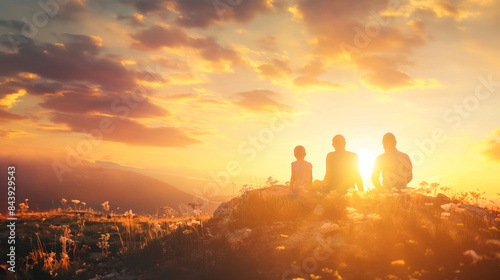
410, 170
292, 179
310, 176
326, 180
357, 175
376, 174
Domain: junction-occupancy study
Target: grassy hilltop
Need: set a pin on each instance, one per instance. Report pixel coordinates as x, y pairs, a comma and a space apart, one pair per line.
424, 233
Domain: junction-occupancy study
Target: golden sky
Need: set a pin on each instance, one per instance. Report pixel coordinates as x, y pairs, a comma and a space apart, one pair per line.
227, 88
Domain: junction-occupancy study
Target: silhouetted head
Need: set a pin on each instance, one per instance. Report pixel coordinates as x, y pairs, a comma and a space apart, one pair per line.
338, 142
389, 141
299, 152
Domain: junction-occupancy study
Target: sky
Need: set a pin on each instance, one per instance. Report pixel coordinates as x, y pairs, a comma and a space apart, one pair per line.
222, 91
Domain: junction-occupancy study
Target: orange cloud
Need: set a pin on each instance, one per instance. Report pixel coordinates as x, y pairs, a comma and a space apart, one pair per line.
275, 69
267, 43
203, 13
356, 29
259, 100
158, 36
110, 104
492, 147
78, 60
170, 63
310, 72
9, 133
126, 131
134, 19
6, 116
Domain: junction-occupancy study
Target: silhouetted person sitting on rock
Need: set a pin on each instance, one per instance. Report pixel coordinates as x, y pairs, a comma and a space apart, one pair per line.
395, 166
342, 168
301, 173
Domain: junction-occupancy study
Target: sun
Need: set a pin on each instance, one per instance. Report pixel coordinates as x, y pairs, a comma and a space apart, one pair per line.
366, 162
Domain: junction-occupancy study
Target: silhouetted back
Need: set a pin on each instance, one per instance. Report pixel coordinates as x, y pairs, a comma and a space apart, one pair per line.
396, 169
342, 167
302, 171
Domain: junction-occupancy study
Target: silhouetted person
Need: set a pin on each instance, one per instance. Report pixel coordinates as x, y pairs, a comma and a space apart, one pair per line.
395, 166
342, 168
301, 172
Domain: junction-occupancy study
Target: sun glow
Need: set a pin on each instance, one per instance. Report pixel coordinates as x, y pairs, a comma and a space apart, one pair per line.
366, 162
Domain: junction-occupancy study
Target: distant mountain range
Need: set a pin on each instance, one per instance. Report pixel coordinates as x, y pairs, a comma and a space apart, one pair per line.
93, 184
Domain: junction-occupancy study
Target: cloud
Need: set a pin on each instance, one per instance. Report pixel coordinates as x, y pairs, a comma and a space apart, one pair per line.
78, 59
258, 100
110, 104
158, 36
383, 73
72, 10
203, 13
310, 73
308, 81
170, 63
492, 147
267, 43
148, 7
134, 19
126, 131
181, 96
8, 133
14, 25
6, 116
357, 29
275, 69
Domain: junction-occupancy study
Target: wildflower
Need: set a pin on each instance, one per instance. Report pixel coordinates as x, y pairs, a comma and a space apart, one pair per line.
157, 228
328, 227
64, 201
447, 207
374, 217
398, 263
429, 204
187, 231
103, 243
318, 210
411, 242
493, 241
356, 216
279, 248
475, 256
84, 203
129, 214
193, 222
24, 207
172, 227
75, 201
350, 210
105, 206
445, 215
197, 213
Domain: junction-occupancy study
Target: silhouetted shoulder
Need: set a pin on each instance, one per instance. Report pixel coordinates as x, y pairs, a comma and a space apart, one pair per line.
352, 154
405, 156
